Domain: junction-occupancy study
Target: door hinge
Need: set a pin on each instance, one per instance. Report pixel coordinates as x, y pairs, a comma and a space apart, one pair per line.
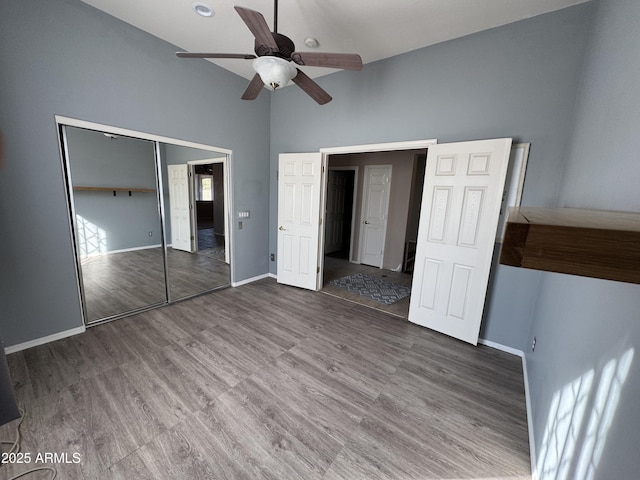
318, 270
323, 169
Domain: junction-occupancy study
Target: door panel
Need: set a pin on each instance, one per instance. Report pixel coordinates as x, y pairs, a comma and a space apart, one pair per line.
180, 213
461, 204
373, 228
299, 183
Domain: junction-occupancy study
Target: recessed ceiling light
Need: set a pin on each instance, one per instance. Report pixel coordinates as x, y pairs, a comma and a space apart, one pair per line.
202, 9
311, 42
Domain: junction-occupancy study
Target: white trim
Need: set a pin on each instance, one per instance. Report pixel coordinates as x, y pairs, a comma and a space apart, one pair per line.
250, 280
532, 442
207, 161
365, 148
272, 275
380, 147
42, 340
73, 122
527, 397
514, 184
501, 347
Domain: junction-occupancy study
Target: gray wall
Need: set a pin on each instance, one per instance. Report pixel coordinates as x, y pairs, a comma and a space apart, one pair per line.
516, 81
73, 60
124, 221
586, 326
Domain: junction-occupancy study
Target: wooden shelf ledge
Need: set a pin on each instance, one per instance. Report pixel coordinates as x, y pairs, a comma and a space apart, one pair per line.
114, 189
592, 243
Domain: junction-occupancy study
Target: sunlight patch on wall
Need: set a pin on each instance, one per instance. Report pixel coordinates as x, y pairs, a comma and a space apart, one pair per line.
563, 427
566, 424
92, 240
605, 404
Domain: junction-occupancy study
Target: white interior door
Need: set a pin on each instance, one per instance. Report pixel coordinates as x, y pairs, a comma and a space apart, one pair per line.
299, 181
334, 219
460, 207
375, 206
179, 209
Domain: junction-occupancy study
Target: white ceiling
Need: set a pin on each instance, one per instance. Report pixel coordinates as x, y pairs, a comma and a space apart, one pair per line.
375, 29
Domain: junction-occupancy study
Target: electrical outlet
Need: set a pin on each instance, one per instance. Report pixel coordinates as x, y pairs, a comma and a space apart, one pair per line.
273, 257
240, 225
533, 344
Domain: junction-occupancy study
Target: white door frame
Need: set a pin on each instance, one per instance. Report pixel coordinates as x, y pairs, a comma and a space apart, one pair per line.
365, 148
225, 180
353, 169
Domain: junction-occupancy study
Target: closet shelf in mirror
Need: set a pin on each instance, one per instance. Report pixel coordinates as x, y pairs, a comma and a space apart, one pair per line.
115, 189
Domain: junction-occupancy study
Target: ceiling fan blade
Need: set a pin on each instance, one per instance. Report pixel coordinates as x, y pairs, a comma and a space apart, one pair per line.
311, 88
258, 26
345, 61
254, 88
245, 56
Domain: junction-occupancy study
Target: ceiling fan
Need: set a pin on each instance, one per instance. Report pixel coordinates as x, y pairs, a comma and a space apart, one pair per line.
275, 59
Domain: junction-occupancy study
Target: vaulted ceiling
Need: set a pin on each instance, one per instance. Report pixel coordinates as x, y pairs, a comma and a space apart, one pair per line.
375, 29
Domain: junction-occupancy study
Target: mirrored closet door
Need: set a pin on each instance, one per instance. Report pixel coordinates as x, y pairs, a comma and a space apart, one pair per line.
194, 189
149, 220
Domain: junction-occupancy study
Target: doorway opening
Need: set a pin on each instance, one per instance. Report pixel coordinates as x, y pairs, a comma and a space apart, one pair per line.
209, 208
363, 262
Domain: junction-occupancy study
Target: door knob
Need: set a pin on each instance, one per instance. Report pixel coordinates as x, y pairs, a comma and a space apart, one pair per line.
366, 222
281, 228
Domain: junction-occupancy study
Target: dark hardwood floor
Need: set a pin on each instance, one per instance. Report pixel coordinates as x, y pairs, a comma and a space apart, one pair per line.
274, 382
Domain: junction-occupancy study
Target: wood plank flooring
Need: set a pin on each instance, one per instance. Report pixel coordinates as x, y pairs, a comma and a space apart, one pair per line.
126, 281
266, 381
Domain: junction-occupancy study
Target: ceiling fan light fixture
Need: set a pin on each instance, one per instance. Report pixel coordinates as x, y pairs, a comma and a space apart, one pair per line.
311, 42
202, 9
274, 72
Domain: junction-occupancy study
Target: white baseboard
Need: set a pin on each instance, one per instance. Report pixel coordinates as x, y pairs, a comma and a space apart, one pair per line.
133, 249
42, 340
501, 347
250, 280
527, 397
532, 443
273, 275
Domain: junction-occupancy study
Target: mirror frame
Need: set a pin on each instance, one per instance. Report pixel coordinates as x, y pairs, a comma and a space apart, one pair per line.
62, 121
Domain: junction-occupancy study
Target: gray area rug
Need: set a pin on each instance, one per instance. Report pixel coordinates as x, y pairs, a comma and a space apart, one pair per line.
374, 288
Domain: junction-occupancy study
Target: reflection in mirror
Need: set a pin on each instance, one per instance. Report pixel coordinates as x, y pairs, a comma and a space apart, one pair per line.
149, 218
195, 204
117, 227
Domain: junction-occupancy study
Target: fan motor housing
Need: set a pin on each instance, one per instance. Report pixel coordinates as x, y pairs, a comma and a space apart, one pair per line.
285, 47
